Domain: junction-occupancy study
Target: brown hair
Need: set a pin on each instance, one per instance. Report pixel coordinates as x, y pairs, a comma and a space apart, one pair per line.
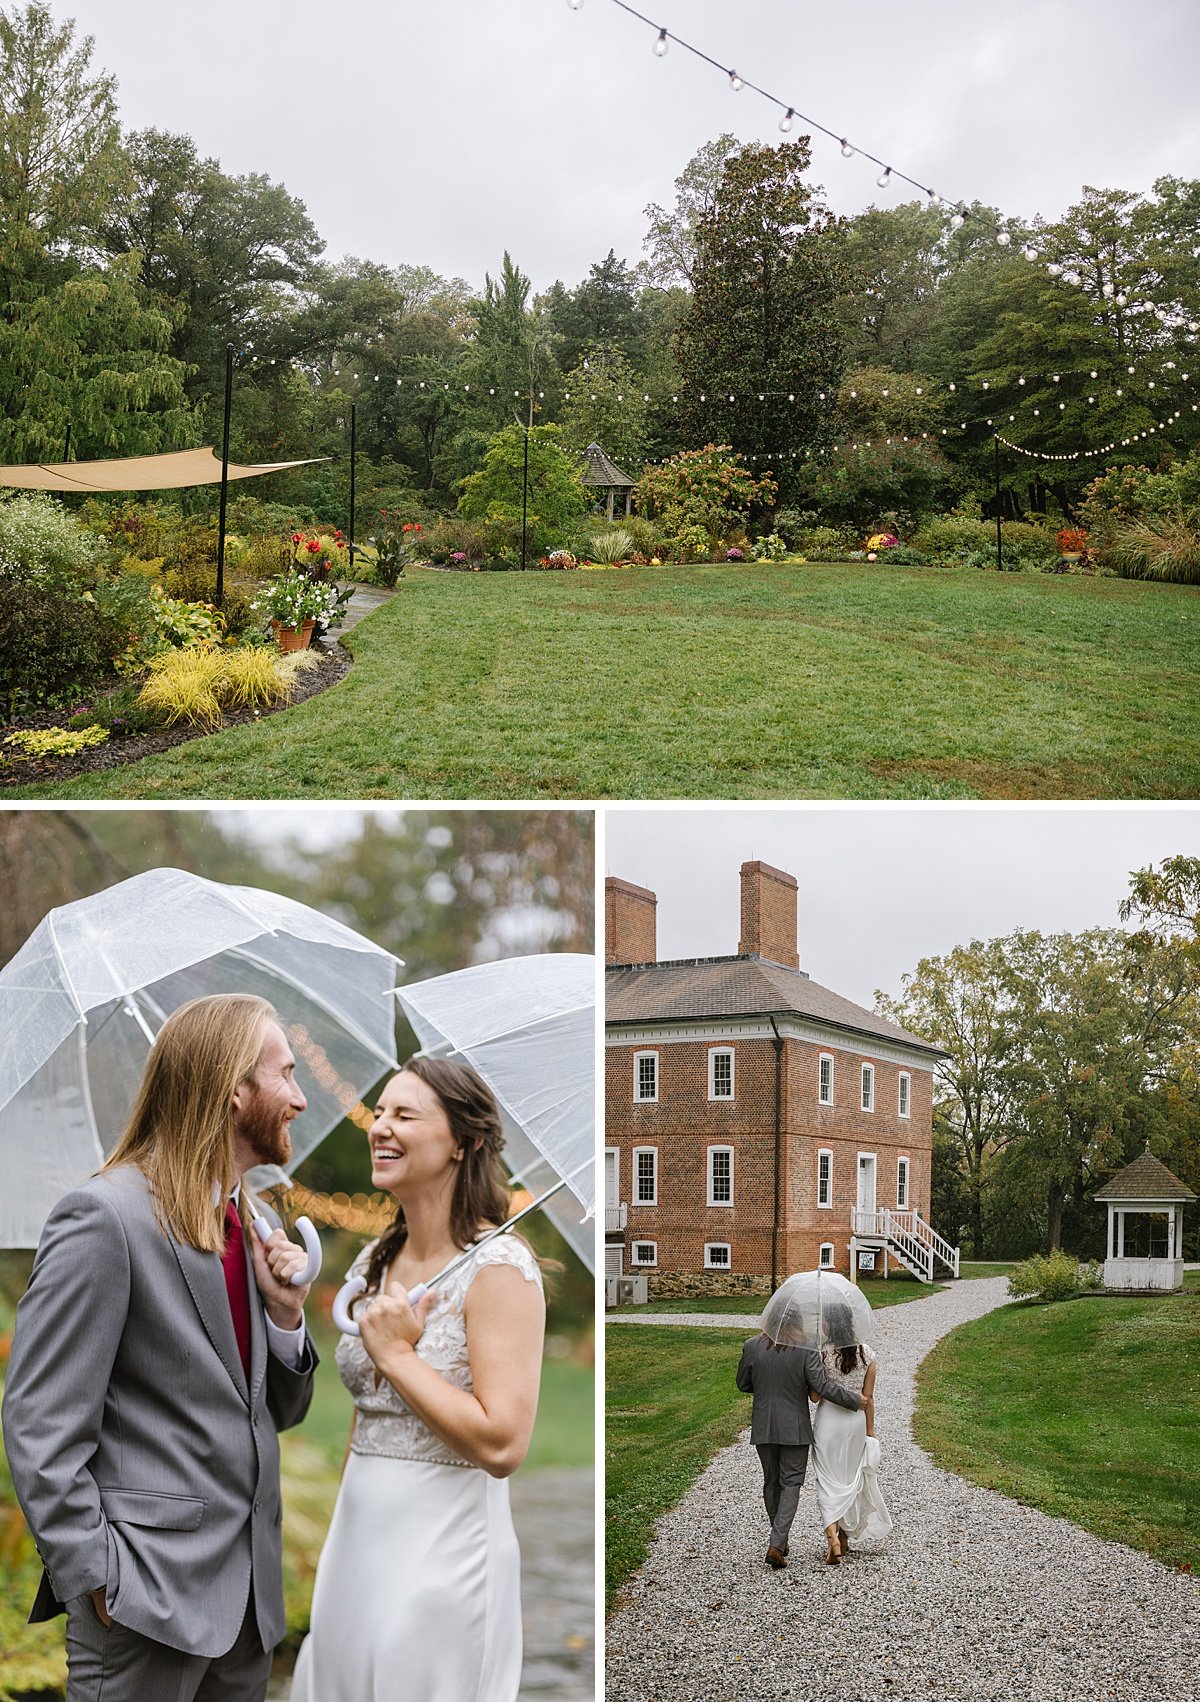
480, 1198
180, 1131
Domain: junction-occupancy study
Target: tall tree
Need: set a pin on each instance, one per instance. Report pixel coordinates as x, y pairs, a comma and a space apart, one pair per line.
672, 241
761, 351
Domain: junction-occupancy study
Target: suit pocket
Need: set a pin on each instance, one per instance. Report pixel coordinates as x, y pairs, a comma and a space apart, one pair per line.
147, 1507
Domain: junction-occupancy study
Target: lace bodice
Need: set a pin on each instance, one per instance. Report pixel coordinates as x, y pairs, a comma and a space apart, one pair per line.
847, 1379
384, 1425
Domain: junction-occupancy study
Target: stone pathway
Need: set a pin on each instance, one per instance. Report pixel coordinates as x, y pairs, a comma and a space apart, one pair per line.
365, 600
975, 1597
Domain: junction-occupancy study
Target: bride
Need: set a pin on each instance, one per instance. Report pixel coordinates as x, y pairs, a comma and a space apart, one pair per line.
845, 1454
417, 1595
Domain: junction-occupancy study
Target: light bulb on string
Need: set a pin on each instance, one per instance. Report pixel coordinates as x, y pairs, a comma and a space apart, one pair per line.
1029, 251
660, 46
735, 82
885, 177
956, 223
785, 123
575, 5
1054, 269
1003, 238
847, 150
935, 199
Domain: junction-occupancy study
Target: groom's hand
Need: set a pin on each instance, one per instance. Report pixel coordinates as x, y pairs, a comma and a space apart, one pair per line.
100, 1603
275, 1260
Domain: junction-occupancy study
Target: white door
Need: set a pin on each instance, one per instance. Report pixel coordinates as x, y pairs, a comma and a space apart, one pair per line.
866, 1181
614, 1260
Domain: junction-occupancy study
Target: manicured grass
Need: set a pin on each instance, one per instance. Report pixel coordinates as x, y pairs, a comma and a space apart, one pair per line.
782, 680
671, 1403
969, 1269
1086, 1410
896, 1289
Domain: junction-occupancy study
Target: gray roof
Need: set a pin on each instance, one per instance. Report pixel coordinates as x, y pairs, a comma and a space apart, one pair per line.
601, 470
1147, 1178
749, 985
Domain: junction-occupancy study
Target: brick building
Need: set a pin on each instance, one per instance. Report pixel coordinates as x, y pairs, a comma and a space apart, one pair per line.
756, 1123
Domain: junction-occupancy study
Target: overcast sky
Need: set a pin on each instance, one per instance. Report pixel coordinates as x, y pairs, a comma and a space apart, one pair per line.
440, 133
882, 888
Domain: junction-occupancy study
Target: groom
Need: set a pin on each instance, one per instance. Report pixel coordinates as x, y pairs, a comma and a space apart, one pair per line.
779, 1375
158, 1350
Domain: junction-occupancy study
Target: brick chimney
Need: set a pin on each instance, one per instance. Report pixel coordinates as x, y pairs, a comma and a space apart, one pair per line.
630, 922
769, 914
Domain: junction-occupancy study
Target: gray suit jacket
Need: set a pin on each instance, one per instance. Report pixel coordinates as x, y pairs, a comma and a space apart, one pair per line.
142, 1461
779, 1379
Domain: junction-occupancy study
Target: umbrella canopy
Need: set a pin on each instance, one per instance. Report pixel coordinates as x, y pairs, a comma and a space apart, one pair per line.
816, 1309
81, 1002
528, 1026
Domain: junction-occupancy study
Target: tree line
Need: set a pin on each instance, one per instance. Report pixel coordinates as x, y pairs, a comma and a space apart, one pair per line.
1066, 1056
128, 261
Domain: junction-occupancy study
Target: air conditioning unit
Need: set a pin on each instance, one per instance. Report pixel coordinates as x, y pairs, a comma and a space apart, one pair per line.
632, 1291
611, 1285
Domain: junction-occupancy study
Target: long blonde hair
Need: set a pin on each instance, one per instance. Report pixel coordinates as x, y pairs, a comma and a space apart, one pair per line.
180, 1131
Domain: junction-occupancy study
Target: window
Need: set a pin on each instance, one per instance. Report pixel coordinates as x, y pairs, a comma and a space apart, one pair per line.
905, 1090
716, 1256
720, 1175
645, 1253
826, 1259
825, 1178
720, 1073
825, 1080
645, 1175
868, 1087
902, 1184
645, 1077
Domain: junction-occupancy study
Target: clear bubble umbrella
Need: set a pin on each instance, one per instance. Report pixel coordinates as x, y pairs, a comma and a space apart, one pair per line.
816, 1309
527, 1026
82, 1000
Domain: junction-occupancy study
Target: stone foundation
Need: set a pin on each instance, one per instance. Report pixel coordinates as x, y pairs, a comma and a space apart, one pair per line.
700, 1285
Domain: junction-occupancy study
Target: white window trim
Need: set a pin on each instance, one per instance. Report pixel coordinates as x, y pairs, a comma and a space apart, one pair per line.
825, 1058
720, 1205
616, 1158
824, 1152
636, 1264
637, 1180
721, 1098
709, 1248
640, 1098
904, 1100
903, 1168
823, 1263
863, 1070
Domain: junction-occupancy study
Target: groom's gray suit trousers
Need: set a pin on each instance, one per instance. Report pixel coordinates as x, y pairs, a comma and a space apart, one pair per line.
783, 1470
114, 1664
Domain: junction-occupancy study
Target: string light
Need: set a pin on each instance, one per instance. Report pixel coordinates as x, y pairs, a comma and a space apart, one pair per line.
785, 123
847, 150
736, 83
660, 46
885, 177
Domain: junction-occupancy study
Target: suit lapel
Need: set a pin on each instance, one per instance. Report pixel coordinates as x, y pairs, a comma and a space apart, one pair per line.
205, 1279
258, 1329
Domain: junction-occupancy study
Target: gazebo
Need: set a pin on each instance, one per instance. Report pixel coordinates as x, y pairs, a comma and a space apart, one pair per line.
1145, 1228
605, 476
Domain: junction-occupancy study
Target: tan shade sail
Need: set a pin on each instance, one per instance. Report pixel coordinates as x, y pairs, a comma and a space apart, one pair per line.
139, 472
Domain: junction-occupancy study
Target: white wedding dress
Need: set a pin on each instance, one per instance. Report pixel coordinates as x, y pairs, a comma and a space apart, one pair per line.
418, 1589
845, 1459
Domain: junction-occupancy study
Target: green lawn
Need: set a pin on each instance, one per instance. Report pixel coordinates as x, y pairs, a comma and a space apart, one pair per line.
1086, 1410
783, 680
880, 1292
671, 1403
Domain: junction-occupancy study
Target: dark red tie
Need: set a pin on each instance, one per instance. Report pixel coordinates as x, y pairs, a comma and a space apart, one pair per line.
237, 1283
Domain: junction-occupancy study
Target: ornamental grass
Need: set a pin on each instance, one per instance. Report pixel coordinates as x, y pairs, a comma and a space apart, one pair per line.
196, 684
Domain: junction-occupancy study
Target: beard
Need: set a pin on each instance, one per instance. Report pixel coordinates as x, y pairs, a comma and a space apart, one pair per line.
264, 1127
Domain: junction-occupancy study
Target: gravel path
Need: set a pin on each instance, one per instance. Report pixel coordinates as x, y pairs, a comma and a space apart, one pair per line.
975, 1597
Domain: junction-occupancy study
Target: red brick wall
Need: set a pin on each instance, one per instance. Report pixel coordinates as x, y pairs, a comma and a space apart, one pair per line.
769, 914
630, 922
684, 1123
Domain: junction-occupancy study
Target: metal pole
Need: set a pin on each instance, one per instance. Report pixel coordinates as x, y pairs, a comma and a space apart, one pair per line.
224, 474
999, 534
67, 443
353, 471
525, 502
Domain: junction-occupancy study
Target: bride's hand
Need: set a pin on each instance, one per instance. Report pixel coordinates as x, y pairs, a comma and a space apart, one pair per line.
389, 1325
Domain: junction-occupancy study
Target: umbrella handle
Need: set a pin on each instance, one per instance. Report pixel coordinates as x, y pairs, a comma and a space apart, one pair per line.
349, 1293
312, 1246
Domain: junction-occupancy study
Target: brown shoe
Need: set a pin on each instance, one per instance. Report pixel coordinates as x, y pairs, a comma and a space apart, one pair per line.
776, 1558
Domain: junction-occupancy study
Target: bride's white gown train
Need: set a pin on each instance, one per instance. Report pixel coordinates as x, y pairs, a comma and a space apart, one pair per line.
845, 1462
418, 1589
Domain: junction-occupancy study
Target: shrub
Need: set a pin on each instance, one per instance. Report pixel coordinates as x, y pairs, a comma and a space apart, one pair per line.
648, 539
119, 711
769, 548
56, 741
1052, 1276
903, 556
705, 491
182, 686
450, 537
864, 485
952, 536
1165, 548
43, 541
610, 547
55, 642
556, 494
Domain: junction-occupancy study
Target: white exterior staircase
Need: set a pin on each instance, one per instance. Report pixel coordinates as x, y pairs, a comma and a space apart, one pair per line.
905, 1237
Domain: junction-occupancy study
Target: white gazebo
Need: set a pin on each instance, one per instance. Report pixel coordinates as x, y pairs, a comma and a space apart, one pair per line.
1145, 1228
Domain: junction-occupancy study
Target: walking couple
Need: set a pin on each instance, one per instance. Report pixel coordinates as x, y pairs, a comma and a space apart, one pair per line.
812, 1352
159, 1349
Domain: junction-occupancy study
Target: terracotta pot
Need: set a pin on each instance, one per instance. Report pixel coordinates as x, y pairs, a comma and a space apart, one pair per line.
291, 638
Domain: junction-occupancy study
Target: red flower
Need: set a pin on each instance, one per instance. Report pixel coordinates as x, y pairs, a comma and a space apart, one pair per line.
417, 527
313, 545
408, 525
295, 537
